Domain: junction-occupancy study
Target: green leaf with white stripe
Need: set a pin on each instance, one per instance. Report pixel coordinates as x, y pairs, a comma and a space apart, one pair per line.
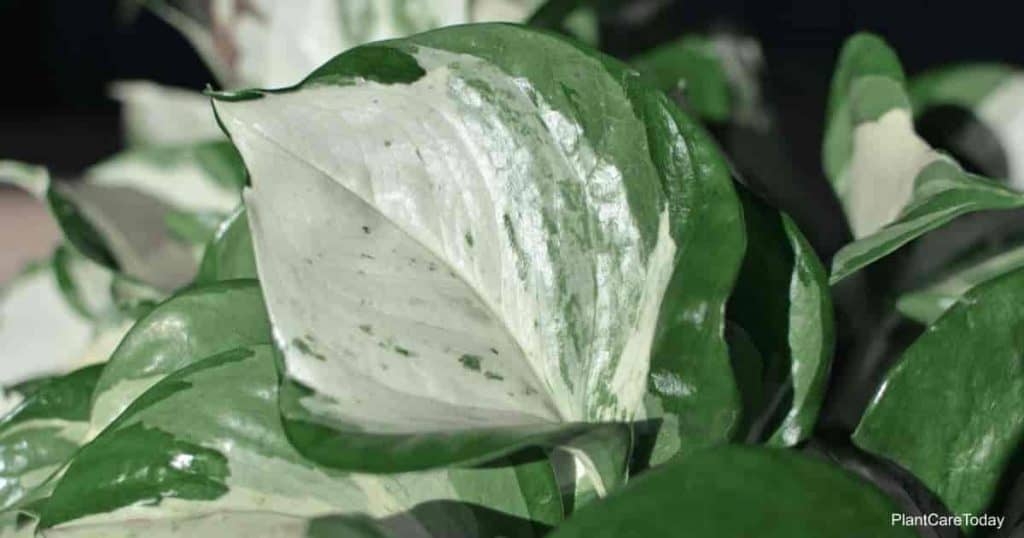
121, 215
782, 301
926, 305
43, 431
994, 95
894, 187
482, 262
229, 255
190, 326
217, 318
167, 458
254, 43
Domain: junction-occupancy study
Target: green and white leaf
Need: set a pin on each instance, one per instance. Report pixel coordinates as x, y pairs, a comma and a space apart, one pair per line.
229, 255
254, 42
929, 303
28, 302
43, 431
191, 325
740, 491
993, 92
34, 301
167, 458
125, 214
717, 75
204, 177
894, 187
245, 523
951, 411
156, 115
692, 66
782, 300
442, 278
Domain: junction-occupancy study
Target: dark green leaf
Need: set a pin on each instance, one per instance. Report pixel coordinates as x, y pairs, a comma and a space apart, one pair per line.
952, 409
782, 301
738, 492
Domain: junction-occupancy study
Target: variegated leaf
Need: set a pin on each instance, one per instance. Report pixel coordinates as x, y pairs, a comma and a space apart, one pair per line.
926, 305
129, 212
254, 42
893, 185
155, 115
994, 94
43, 431
166, 458
483, 262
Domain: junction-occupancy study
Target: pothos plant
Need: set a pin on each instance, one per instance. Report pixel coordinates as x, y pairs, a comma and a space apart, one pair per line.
487, 281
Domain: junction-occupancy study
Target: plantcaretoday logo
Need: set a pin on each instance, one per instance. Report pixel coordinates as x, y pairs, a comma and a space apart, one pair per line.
947, 520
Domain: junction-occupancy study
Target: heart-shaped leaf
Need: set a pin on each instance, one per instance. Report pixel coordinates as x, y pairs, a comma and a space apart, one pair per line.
483, 261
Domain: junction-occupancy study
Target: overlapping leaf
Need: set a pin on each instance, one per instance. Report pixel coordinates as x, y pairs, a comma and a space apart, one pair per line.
894, 186
136, 214
229, 255
737, 491
993, 94
950, 411
43, 431
693, 67
34, 300
167, 458
782, 300
927, 304
418, 297
254, 42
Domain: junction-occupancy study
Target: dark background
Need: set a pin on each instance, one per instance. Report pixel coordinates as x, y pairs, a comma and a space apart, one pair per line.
58, 56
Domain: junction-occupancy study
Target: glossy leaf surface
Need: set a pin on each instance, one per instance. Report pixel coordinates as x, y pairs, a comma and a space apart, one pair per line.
782, 300
43, 431
737, 491
229, 255
950, 411
464, 317
189, 326
893, 185
166, 458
